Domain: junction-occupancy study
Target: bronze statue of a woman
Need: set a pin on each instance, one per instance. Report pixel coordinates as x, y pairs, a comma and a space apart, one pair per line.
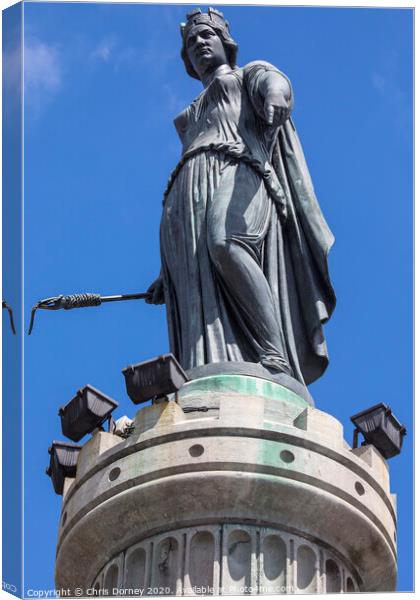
244, 244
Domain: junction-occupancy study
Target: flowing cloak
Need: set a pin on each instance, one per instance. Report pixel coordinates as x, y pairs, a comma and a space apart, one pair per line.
296, 241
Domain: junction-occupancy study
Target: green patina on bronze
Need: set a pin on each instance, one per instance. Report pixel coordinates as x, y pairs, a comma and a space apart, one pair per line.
244, 385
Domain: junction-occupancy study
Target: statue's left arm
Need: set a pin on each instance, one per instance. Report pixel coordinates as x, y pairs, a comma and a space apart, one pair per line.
270, 92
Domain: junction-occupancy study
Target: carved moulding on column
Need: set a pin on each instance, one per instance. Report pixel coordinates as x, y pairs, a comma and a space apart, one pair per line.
225, 559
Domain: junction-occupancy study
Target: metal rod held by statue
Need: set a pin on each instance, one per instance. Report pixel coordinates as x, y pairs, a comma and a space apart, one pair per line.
80, 301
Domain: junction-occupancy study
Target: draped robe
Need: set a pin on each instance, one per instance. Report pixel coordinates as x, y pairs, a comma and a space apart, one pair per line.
249, 180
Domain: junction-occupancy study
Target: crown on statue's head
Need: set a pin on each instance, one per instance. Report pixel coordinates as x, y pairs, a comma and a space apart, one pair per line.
212, 17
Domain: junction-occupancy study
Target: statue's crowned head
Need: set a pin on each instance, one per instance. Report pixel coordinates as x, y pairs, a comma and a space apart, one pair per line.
214, 19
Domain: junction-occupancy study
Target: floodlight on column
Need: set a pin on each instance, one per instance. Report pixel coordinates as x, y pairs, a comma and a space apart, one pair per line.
381, 428
63, 463
87, 411
154, 378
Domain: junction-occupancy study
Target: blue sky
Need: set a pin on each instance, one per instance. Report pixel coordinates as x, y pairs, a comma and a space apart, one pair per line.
102, 86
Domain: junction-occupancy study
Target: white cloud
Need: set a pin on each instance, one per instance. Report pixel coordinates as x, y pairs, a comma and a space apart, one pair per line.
150, 55
42, 67
12, 83
110, 51
43, 74
104, 50
386, 81
11, 69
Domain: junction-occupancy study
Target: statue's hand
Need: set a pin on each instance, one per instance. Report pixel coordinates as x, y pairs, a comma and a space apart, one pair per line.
156, 292
276, 108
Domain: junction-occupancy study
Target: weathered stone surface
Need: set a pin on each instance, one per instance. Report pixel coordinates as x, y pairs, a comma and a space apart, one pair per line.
68, 481
252, 467
254, 370
227, 559
376, 461
321, 425
92, 450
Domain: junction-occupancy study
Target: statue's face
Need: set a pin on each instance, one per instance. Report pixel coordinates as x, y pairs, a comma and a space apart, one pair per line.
205, 49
